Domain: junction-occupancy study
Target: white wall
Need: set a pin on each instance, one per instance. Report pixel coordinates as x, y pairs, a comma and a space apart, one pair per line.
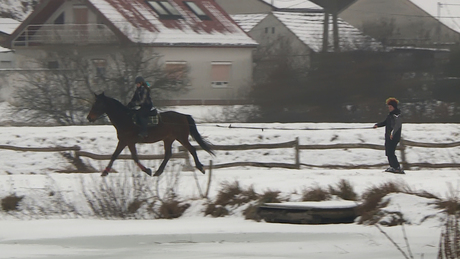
199, 60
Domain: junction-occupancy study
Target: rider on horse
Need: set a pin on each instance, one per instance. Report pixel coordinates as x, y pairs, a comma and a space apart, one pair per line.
142, 103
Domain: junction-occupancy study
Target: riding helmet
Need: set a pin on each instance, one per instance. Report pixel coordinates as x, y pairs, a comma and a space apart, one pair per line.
139, 80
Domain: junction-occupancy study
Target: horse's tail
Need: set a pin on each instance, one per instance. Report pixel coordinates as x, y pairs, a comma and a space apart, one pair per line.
204, 144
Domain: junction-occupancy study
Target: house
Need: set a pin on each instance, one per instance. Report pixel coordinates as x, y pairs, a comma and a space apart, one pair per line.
197, 34
304, 31
305, 23
418, 23
7, 57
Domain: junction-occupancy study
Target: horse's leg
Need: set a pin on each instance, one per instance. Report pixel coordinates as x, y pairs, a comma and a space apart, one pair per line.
192, 151
121, 145
168, 154
132, 148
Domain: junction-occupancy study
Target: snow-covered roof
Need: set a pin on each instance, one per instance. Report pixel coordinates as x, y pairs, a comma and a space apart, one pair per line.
4, 50
293, 4
8, 25
308, 27
17, 9
446, 11
248, 21
137, 20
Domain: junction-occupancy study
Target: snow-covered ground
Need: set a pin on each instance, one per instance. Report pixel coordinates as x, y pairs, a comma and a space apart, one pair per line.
195, 236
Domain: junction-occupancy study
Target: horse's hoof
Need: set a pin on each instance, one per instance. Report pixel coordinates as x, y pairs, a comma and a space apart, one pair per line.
157, 173
201, 169
105, 172
148, 171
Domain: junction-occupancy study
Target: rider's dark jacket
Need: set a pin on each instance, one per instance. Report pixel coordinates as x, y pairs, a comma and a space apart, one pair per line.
141, 98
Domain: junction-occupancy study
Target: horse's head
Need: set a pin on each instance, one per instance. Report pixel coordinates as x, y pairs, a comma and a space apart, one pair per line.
99, 108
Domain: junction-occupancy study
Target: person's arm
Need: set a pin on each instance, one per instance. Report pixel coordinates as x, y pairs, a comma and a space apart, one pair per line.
380, 124
143, 96
398, 124
133, 101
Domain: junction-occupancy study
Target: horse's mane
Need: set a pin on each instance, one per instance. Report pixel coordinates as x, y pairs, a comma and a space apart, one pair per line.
117, 103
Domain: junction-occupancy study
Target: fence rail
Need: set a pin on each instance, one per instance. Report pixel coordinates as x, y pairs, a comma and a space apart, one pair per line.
297, 164
40, 149
183, 154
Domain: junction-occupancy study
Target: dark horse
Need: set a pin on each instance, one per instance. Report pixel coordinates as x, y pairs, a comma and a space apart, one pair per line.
171, 126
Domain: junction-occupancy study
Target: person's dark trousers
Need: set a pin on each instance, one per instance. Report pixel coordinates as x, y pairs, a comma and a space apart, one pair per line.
143, 121
390, 148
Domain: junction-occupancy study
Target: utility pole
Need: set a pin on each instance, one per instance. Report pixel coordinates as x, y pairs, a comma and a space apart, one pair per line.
335, 11
326, 31
438, 29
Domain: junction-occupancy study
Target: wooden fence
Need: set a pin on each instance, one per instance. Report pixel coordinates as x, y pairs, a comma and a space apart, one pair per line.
298, 147
183, 154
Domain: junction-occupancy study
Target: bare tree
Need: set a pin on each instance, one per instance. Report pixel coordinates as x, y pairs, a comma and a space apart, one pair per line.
130, 62
383, 30
62, 92
56, 94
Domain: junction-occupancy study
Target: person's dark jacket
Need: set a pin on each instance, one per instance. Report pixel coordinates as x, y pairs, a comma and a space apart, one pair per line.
141, 98
393, 125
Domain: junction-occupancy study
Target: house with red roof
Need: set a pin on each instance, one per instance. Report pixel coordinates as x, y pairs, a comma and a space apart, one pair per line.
198, 34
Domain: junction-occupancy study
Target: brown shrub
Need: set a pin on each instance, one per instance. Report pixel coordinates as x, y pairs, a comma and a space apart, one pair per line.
171, 209
451, 206
449, 244
372, 198
315, 194
269, 197
344, 190
233, 194
11, 202
134, 206
216, 210
252, 211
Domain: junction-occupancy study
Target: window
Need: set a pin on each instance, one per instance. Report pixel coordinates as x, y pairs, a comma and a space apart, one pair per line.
267, 30
100, 65
6, 63
176, 71
53, 65
170, 8
197, 10
220, 74
164, 9
60, 19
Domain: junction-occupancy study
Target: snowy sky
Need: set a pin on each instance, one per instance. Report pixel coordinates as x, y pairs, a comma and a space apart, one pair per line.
448, 11
293, 4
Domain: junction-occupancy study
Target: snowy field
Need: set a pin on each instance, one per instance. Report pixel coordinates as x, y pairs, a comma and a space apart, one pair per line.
196, 236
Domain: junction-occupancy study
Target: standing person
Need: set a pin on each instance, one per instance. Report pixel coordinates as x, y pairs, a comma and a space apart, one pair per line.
142, 103
393, 128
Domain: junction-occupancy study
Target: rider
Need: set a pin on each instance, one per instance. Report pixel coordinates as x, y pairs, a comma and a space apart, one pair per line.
142, 103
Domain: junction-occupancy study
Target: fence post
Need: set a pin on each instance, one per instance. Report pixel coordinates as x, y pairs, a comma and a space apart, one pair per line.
403, 154
76, 152
187, 165
297, 155
208, 186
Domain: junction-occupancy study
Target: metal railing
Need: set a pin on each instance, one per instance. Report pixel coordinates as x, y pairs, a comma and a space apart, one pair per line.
80, 34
